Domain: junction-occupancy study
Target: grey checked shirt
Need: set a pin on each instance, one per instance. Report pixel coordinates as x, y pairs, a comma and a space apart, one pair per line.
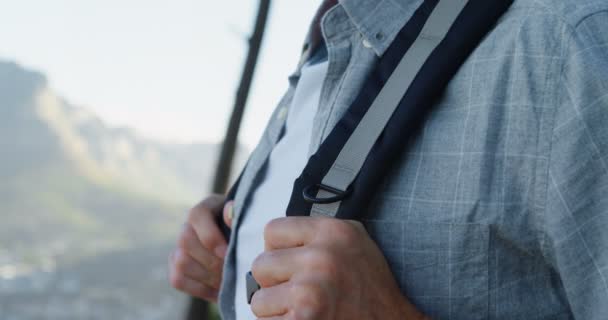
499, 209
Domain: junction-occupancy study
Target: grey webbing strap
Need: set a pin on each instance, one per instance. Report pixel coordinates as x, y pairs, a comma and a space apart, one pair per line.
352, 156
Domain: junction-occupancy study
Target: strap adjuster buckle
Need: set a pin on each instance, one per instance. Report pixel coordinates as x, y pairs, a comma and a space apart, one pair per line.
252, 286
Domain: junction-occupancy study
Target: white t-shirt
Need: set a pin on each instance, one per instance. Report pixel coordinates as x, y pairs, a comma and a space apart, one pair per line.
286, 162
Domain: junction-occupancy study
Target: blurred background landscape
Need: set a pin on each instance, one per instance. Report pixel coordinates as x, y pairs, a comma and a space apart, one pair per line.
111, 118
88, 212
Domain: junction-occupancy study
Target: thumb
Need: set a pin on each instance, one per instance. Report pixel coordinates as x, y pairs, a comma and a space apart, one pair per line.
229, 213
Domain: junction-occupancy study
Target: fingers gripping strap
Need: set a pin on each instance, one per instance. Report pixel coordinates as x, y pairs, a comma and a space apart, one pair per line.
352, 156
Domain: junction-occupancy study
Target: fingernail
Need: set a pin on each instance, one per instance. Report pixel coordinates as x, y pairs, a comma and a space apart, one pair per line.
230, 211
220, 251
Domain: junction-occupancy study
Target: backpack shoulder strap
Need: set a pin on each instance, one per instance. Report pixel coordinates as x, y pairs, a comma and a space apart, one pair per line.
354, 152
341, 178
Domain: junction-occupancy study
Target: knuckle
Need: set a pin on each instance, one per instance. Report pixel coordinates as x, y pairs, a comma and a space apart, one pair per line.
178, 281
342, 230
181, 263
325, 264
270, 228
308, 302
186, 238
207, 239
204, 207
195, 213
318, 259
209, 279
215, 265
257, 266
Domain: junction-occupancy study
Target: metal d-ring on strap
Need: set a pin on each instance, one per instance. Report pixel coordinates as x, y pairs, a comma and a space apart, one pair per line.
335, 185
352, 156
338, 195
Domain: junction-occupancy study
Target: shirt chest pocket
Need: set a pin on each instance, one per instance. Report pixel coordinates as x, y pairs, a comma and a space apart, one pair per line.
441, 267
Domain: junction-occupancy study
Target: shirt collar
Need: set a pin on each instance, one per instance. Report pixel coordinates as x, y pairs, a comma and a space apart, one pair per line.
379, 22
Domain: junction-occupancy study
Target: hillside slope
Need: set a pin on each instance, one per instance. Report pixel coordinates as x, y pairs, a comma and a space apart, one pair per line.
75, 196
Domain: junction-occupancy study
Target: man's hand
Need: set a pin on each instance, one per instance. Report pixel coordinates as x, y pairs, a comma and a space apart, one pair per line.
324, 268
195, 267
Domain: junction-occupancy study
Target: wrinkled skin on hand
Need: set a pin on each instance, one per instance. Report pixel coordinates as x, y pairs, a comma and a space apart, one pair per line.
195, 267
323, 268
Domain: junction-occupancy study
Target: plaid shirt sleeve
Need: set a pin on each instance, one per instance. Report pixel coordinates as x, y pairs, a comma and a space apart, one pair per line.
576, 218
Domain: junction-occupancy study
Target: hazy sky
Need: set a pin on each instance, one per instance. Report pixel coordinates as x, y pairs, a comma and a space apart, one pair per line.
167, 68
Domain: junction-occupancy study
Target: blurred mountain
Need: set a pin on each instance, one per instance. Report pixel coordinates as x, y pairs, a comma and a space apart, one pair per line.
88, 212
69, 180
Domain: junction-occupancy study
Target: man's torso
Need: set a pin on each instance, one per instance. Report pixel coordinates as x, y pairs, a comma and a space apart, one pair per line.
458, 216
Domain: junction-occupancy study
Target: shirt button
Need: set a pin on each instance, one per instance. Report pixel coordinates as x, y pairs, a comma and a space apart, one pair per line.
367, 44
